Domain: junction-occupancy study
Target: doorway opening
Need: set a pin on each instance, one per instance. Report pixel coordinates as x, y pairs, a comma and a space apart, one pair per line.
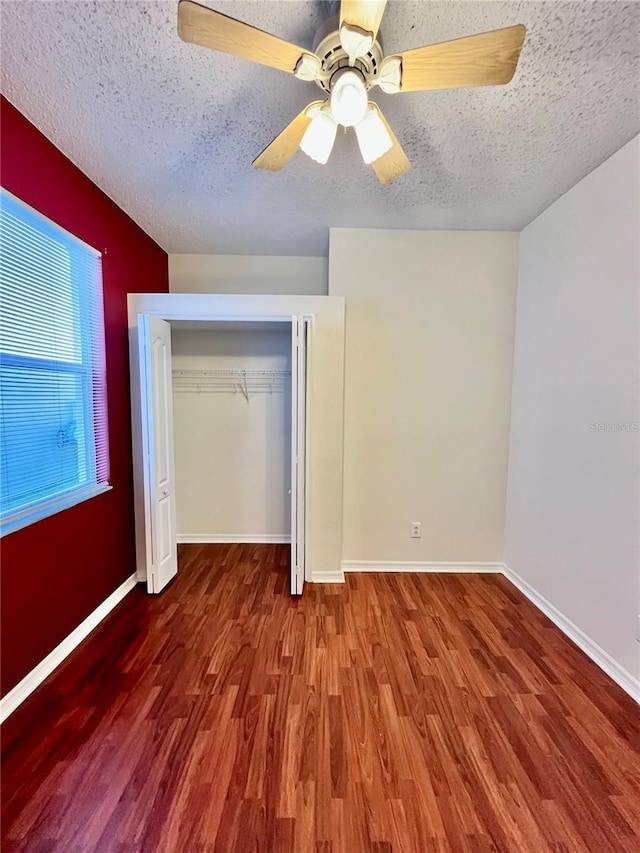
192, 438
232, 431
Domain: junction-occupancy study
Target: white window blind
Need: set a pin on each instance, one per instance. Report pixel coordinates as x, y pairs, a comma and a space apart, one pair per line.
53, 417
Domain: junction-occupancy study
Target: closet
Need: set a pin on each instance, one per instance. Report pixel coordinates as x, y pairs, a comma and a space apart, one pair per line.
207, 370
214, 483
232, 431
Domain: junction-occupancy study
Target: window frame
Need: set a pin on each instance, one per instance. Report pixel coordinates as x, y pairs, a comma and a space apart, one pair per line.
45, 507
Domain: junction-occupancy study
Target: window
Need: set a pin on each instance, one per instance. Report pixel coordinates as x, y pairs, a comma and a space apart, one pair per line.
53, 414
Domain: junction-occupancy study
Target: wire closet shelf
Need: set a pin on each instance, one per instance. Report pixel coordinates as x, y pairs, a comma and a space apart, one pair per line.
231, 381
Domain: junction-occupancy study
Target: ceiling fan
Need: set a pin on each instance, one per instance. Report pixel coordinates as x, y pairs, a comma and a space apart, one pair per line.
347, 62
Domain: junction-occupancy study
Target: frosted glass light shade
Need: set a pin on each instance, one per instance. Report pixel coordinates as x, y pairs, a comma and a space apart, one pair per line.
373, 137
319, 137
348, 99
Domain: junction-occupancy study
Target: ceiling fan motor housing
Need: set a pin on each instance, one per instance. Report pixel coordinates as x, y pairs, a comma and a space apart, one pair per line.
333, 57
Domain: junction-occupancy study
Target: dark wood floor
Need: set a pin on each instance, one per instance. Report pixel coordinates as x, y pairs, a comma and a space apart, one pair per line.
404, 713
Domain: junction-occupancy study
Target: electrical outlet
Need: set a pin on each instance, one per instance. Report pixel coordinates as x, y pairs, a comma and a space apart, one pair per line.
416, 529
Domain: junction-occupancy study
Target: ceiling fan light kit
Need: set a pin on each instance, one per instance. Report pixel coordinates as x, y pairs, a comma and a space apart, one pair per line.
373, 137
347, 62
319, 137
348, 99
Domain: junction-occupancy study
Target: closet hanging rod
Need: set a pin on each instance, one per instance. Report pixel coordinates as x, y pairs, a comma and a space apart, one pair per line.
235, 373
230, 380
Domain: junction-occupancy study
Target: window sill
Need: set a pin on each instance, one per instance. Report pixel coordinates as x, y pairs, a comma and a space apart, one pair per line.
48, 508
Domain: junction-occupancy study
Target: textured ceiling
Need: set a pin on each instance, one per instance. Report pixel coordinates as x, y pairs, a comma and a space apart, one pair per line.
169, 130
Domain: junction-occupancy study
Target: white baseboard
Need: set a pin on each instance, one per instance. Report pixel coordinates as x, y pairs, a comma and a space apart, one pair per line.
597, 654
46, 666
328, 577
391, 566
233, 538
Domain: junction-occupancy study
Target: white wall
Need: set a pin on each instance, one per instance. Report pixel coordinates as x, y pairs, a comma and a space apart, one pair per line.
572, 519
232, 456
247, 274
428, 361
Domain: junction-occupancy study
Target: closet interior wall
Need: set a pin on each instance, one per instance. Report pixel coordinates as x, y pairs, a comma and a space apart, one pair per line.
232, 432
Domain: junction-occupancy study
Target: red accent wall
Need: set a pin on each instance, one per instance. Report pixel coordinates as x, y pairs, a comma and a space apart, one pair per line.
57, 571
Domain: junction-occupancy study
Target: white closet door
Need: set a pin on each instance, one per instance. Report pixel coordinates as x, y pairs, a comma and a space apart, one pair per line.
298, 450
154, 337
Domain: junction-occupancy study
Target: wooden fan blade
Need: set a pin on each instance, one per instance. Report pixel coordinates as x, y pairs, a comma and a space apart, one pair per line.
199, 25
486, 59
395, 162
278, 153
365, 14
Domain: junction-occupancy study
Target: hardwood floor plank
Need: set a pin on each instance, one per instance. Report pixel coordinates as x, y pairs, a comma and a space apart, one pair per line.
392, 714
